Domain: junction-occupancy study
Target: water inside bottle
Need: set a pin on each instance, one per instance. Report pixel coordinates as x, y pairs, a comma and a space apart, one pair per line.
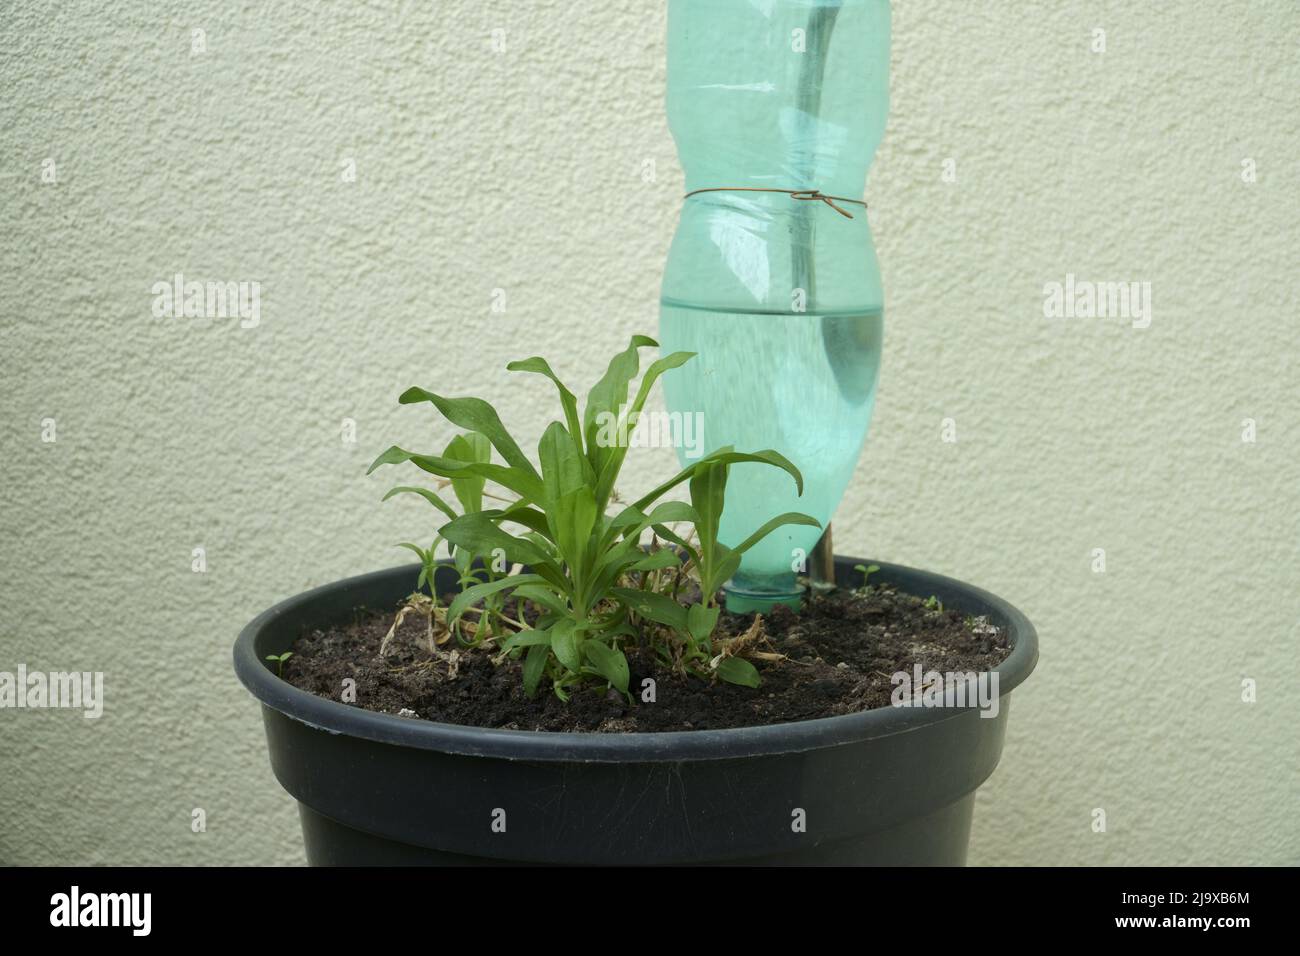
802, 384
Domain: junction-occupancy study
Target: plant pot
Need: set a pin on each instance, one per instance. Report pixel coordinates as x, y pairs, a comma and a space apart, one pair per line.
893, 786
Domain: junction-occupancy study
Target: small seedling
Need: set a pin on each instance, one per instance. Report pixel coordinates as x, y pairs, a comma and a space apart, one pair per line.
866, 570
279, 660
932, 603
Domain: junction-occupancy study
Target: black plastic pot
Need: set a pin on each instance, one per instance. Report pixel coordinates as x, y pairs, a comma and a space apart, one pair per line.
886, 786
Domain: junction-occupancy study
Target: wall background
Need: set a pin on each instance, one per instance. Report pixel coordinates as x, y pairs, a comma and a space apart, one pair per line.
521, 170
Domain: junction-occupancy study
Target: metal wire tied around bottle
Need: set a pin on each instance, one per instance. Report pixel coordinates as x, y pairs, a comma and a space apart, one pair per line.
807, 195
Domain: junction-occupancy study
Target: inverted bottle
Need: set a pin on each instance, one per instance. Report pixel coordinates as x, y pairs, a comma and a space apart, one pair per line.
776, 108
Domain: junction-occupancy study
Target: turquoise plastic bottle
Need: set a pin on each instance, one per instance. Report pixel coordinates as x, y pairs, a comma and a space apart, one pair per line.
779, 294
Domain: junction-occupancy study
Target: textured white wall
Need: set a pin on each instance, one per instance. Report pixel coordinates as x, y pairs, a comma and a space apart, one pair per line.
521, 170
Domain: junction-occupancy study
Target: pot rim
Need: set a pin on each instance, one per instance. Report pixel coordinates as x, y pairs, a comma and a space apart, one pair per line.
335, 717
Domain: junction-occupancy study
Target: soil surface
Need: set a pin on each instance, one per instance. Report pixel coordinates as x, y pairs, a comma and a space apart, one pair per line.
841, 652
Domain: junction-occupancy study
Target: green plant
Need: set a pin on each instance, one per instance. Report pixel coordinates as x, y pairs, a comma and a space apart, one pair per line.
595, 586
471, 567
279, 660
866, 571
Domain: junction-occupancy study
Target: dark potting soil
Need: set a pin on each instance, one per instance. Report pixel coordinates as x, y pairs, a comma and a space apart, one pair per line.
841, 651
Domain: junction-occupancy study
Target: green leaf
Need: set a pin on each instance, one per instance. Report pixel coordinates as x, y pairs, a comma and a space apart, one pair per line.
673, 538
530, 518
567, 399
393, 455
626, 518
420, 552
541, 595
610, 565
708, 489
424, 493
466, 598
566, 642
543, 544
790, 517
727, 564
529, 638
632, 521
655, 607
570, 507
609, 662
528, 485
572, 519
534, 666
656, 369
475, 415
729, 457
562, 468
671, 511
478, 533
613, 461
607, 397
662, 558
621, 629
471, 448
701, 620
737, 670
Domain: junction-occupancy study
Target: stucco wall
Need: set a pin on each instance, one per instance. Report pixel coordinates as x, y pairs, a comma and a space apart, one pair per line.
522, 170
